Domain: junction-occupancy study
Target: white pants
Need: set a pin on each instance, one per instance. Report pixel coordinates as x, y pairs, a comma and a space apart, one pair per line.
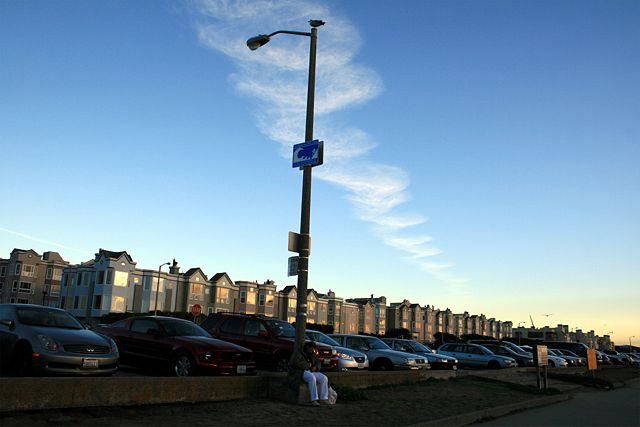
315, 380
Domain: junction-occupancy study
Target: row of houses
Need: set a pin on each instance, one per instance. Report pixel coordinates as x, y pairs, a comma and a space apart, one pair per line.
113, 283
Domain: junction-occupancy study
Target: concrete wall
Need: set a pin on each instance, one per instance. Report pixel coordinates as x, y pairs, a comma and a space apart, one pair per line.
26, 394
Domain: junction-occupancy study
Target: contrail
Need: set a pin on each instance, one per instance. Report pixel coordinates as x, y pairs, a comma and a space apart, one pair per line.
46, 242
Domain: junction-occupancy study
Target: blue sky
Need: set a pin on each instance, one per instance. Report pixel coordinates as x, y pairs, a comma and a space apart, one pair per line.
480, 156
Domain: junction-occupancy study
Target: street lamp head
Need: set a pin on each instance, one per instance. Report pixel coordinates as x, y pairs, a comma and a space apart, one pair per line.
315, 23
255, 42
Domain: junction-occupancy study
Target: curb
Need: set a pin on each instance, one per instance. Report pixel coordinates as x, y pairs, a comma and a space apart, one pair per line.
498, 411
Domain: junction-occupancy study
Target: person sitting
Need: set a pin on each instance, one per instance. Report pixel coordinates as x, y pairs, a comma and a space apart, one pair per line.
305, 366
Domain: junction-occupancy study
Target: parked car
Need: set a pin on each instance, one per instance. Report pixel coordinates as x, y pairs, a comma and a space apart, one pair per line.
553, 361
348, 358
436, 361
272, 340
580, 361
571, 360
381, 356
523, 359
575, 347
177, 346
44, 340
617, 358
476, 356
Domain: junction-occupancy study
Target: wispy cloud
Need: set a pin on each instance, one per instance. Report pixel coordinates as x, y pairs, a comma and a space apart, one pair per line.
276, 78
46, 242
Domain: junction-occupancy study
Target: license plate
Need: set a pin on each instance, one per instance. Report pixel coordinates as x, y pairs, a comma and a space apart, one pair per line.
241, 369
90, 363
326, 362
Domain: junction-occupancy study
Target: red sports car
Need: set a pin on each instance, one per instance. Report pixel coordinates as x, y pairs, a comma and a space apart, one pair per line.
175, 345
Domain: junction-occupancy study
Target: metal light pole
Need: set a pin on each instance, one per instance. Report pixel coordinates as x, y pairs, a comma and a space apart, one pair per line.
158, 287
633, 336
305, 215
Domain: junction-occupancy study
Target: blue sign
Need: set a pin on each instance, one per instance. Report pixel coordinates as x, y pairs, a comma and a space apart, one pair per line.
308, 154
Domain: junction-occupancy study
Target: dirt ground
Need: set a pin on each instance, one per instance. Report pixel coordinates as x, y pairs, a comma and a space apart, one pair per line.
388, 406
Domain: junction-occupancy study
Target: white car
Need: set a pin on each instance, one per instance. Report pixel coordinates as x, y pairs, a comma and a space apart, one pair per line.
554, 361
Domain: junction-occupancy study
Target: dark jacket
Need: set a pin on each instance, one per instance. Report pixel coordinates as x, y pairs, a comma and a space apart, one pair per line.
299, 363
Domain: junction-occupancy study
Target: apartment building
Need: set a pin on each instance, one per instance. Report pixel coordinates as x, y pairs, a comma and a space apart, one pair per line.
29, 278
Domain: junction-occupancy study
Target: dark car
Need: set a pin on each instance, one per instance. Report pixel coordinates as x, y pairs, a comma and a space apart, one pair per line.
178, 346
271, 339
45, 340
523, 359
436, 361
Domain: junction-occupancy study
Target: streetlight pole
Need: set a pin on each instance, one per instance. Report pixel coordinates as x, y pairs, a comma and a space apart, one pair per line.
158, 287
633, 336
305, 211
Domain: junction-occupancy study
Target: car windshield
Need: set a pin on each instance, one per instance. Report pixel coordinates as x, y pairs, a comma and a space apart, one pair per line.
183, 329
49, 318
417, 347
376, 343
322, 338
281, 329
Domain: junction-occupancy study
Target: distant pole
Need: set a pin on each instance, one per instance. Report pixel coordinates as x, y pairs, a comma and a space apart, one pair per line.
158, 287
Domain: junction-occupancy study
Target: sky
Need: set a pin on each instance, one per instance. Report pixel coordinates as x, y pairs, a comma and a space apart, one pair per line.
479, 156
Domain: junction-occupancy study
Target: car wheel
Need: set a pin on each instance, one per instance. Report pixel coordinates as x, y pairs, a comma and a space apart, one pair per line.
282, 363
183, 365
552, 364
383, 365
22, 361
493, 365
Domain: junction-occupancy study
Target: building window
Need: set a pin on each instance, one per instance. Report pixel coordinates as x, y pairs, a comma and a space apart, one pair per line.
97, 302
261, 299
101, 277
25, 287
79, 279
23, 300
18, 269
243, 297
109, 277
76, 301
1, 286
3, 271
29, 270
196, 291
146, 283
251, 297
14, 288
57, 274
117, 304
222, 296
121, 280
49, 272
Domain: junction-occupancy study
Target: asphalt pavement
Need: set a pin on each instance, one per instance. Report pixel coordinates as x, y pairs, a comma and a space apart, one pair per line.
619, 407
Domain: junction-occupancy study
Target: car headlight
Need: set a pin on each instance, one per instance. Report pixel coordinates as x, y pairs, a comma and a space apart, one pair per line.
113, 345
48, 343
209, 355
410, 361
343, 356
